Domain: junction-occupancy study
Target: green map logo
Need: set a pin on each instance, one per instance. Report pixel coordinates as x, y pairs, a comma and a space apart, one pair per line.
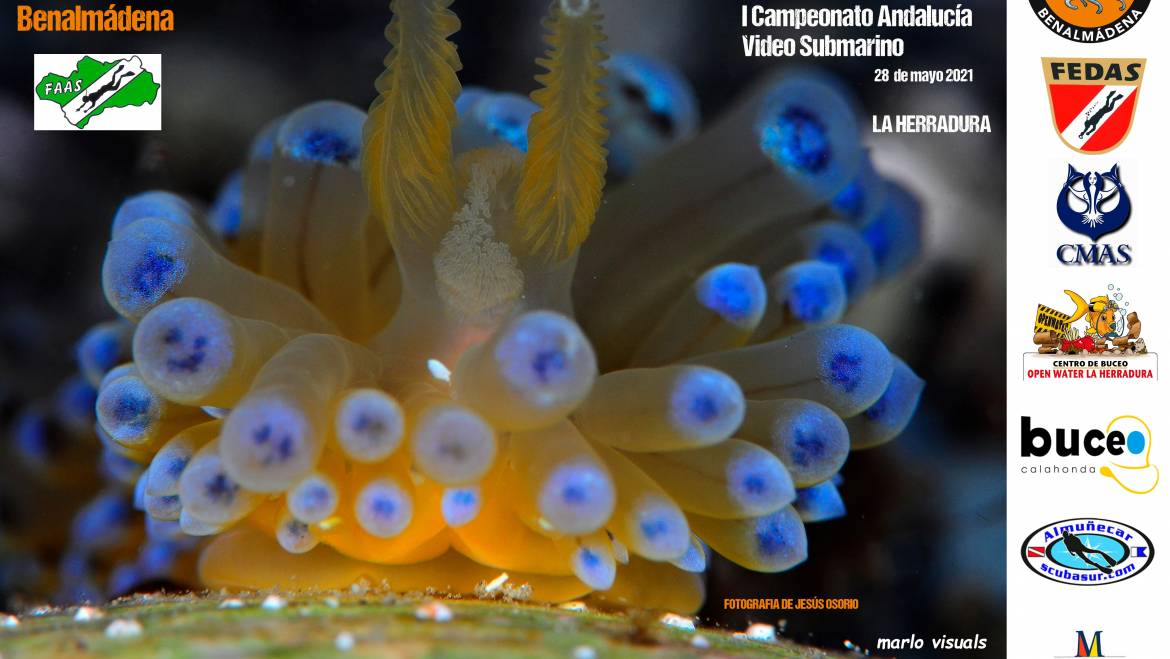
73, 91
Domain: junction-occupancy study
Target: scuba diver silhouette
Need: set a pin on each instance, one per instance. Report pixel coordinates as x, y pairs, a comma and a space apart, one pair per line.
91, 98
1111, 100
1077, 548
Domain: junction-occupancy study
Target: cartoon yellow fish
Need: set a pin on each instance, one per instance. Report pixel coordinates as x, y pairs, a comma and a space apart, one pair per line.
1102, 318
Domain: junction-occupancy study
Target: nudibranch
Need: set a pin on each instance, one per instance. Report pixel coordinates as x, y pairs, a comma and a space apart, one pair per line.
82, 518
388, 350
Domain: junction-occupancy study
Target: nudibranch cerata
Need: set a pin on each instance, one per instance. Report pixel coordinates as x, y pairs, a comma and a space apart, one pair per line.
425, 344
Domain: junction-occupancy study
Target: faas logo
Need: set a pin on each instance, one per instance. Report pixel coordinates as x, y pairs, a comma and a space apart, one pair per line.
1093, 101
1087, 551
1120, 452
1090, 21
98, 92
1094, 204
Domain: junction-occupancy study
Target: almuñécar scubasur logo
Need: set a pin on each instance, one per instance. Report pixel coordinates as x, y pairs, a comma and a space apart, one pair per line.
1093, 101
99, 92
1087, 551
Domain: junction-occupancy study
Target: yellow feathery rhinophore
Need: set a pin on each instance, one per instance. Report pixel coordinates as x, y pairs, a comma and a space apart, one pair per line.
406, 154
564, 171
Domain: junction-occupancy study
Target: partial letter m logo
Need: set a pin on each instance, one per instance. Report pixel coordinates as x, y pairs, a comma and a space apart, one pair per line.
1087, 649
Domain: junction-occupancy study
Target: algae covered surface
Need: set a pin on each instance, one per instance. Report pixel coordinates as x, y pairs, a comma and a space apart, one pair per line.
362, 626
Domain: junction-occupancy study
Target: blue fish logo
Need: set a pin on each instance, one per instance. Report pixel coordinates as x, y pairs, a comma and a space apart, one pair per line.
1093, 204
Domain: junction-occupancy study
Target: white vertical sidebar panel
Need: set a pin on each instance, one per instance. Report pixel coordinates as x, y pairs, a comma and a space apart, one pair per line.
1088, 512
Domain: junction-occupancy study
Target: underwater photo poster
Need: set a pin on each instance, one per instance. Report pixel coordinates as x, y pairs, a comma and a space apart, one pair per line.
580, 328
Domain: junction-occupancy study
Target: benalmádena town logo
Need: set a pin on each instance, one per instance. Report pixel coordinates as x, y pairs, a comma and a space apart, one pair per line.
99, 92
1090, 21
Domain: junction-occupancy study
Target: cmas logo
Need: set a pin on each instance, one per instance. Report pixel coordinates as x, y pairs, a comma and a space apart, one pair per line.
1093, 101
1119, 452
1087, 551
1094, 204
99, 92
1090, 21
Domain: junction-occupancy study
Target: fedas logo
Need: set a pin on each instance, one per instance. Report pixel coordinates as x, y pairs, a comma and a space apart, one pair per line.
1094, 204
98, 92
1093, 101
1090, 21
1087, 551
1120, 452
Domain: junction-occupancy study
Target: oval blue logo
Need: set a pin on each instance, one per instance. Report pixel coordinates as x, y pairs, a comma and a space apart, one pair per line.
1087, 551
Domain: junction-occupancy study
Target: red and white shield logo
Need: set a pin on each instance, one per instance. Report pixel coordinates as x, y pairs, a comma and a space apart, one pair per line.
1093, 101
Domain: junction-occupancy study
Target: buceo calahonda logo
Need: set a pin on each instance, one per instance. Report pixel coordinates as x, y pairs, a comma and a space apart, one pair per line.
1094, 204
1119, 452
1087, 551
72, 91
1090, 21
1093, 101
